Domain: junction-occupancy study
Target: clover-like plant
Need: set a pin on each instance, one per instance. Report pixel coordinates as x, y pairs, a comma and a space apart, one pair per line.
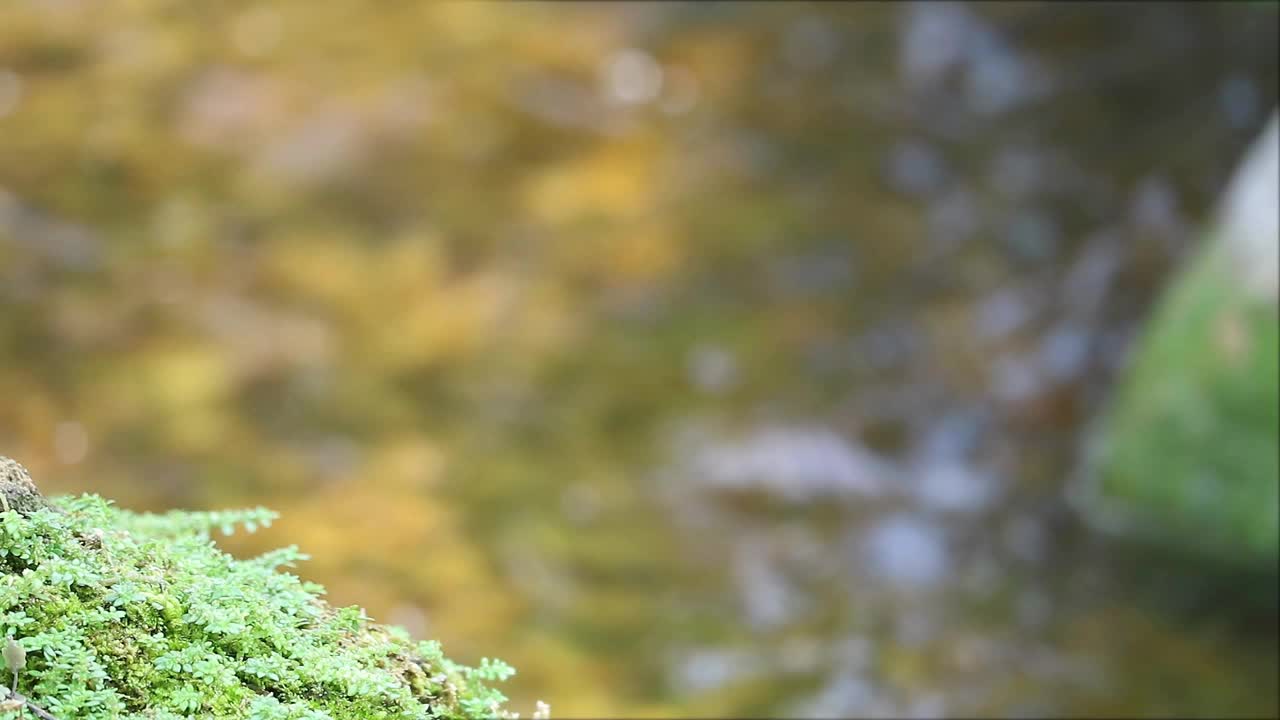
124, 615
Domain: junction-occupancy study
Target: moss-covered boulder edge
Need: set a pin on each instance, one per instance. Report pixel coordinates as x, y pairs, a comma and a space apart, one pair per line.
1186, 454
128, 615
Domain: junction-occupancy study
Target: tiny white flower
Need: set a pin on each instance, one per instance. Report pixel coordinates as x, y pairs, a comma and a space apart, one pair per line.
15, 656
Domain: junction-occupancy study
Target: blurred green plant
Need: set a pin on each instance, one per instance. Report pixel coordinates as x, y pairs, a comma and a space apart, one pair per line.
1189, 453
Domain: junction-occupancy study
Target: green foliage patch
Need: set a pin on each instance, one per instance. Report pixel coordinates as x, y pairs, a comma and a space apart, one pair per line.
1189, 455
126, 615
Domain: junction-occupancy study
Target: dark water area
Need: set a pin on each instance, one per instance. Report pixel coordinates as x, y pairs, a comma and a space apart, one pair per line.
697, 359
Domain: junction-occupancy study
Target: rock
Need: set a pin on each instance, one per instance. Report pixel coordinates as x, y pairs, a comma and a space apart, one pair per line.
17, 491
1188, 452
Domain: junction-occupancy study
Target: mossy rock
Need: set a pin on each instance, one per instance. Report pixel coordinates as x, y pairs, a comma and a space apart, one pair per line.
17, 491
127, 615
1188, 453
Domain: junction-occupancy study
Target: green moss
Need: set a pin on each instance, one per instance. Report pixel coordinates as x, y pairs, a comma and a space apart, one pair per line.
1189, 453
125, 615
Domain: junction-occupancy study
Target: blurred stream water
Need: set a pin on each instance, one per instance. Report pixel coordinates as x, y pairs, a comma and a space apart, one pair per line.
696, 359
